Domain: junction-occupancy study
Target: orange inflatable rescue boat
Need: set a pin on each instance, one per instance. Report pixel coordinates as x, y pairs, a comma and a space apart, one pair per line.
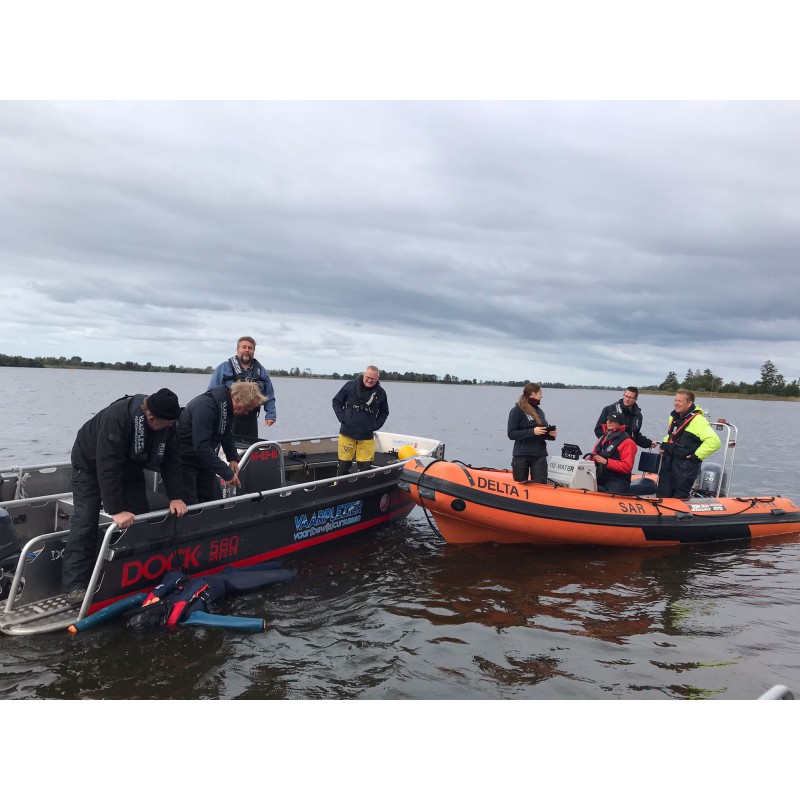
486, 505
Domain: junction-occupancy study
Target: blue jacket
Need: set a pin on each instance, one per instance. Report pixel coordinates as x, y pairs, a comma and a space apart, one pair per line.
224, 375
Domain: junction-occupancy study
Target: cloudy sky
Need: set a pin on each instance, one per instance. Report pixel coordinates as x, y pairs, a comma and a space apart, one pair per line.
585, 241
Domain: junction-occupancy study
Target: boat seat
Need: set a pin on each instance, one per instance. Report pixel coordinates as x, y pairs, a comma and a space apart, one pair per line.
261, 469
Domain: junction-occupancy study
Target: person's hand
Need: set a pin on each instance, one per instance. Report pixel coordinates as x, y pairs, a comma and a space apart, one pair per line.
269, 422
177, 507
553, 432
600, 460
234, 481
234, 465
124, 519
540, 430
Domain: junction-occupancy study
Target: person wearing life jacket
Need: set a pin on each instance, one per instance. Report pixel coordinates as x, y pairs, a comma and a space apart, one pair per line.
690, 438
205, 424
614, 455
361, 406
530, 432
179, 594
631, 417
110, 454
244, 367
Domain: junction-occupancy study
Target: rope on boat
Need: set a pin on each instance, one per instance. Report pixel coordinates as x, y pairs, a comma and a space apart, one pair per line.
658, 504
425, 510
22, 479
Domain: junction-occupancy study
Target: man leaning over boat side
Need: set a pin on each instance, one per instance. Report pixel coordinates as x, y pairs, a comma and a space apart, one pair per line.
110, 454
690, 438
245, 367
361, 406
613, 455
205, 424
631, 416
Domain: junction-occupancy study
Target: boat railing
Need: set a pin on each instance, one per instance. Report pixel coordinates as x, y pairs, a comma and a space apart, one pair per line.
112, 533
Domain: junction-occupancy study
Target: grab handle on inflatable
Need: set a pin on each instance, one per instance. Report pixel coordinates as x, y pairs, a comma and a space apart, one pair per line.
109, 612
220, 621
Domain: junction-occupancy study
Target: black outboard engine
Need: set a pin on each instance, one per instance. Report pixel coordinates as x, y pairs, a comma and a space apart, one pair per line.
9, 551
571, 451
9, 541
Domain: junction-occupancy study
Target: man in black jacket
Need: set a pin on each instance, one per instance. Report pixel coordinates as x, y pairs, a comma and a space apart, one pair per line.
631, 415
362, 408
205, 424
110, 454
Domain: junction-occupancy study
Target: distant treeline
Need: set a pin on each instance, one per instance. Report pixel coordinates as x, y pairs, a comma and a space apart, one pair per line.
772, 383
76, 362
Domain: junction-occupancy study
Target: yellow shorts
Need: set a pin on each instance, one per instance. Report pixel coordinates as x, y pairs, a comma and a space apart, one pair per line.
358, 449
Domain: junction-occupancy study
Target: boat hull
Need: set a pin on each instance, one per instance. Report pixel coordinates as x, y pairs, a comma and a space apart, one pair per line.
473, 505
290, 499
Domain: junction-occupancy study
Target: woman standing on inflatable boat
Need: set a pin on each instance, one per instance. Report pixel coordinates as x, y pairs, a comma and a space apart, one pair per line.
528, 428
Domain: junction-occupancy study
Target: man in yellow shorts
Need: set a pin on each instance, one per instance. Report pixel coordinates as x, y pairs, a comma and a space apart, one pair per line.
362, 407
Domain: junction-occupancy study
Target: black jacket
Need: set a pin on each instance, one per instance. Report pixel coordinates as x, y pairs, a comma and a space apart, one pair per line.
205, 424
633, 422
106, 447
361, 411
520, 429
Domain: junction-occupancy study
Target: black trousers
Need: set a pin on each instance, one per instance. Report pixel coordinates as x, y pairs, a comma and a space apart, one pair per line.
247, 425
80, 554
677, 476
200, 484
536, 465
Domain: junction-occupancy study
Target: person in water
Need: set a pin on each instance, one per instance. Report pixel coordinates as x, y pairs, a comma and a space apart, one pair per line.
690, 438
110, 454
244, 367
205, 424
361, 406
613, 455
631, 417
530, 432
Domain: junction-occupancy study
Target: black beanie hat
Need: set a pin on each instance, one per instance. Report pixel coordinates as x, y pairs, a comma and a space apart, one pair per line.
615, 417
164, 404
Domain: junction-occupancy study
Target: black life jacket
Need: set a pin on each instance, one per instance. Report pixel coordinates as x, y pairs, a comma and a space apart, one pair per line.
147, 446
239, 373
685, 442
222, 400
608, 447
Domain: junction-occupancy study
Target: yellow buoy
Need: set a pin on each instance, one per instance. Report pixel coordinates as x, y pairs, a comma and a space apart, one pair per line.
406, 451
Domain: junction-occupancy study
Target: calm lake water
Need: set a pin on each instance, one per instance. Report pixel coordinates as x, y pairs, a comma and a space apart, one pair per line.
400, 614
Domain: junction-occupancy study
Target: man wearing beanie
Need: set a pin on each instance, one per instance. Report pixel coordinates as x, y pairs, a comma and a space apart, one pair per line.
110, 454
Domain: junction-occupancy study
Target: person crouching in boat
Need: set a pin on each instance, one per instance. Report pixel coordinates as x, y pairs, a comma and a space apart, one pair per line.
690, 438
528, 429
110, 454
205, 424
614, 455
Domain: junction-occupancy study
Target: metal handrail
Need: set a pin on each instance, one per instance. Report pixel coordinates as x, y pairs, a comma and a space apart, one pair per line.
163, 514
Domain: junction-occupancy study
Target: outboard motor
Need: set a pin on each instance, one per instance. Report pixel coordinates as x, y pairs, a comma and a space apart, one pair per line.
9, 541
9, 550
709, 482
